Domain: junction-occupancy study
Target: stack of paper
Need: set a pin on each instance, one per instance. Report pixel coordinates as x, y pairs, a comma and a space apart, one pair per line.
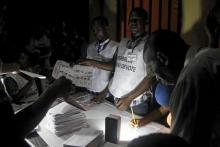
64, 118
86, 137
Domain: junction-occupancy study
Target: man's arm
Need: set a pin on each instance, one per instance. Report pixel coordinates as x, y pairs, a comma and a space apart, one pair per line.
26, 120
102, 65
152, 116
109, 66
144, 85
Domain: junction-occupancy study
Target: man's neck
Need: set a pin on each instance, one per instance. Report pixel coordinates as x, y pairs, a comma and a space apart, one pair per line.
137, 36
103, 41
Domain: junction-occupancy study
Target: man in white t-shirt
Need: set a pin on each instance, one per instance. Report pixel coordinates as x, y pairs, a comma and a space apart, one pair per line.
100, 54
131, 81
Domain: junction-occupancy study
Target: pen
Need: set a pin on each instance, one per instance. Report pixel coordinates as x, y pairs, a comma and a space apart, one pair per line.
133, 115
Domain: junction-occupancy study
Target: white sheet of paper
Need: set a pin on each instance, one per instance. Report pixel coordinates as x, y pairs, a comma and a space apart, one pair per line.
79, 75
96, 114
33, 75
83, 138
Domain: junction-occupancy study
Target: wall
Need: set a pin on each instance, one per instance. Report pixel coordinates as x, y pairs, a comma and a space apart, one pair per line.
193, 21
107, 8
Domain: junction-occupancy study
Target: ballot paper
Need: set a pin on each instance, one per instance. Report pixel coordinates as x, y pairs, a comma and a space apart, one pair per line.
79, 75
86, 137
64, 118
81, 100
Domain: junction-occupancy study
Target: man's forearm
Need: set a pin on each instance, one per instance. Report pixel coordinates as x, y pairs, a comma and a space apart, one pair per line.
154, 116
104, 65
27, 119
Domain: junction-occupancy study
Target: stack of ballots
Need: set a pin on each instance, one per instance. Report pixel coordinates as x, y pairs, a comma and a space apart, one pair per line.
64, 118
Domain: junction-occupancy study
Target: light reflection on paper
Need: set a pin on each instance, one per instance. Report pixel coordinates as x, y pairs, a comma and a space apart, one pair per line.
96, 119
127, 132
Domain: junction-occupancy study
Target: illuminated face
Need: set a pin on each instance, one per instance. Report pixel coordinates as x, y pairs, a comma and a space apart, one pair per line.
136, 24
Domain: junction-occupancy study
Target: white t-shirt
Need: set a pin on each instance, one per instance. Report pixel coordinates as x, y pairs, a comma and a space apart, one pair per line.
130, 69
101, 78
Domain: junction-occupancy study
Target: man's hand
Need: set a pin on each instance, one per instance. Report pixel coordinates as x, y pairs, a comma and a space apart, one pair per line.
123, 103
98, 98
135, 123
61, 87
138, 122
101, 96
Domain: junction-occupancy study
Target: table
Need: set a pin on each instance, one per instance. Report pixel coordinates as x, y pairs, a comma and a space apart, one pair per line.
96, 119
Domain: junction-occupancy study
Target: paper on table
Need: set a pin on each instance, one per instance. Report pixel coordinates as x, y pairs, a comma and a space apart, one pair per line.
109, 144
84, 138
81, 100
96, 114
64, 118
152, 127
62, 108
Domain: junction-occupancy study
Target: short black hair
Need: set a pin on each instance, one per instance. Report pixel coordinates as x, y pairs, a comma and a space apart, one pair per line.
100, 20
140, 12
170, 44
158, 140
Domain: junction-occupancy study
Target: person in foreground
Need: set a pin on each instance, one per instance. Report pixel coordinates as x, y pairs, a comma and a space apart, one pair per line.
15, 127
158, 140
194, 102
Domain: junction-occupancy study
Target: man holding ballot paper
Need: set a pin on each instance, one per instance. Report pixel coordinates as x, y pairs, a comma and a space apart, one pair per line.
94, 71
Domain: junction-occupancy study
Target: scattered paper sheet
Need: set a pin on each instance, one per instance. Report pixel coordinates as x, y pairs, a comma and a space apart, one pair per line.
86, 137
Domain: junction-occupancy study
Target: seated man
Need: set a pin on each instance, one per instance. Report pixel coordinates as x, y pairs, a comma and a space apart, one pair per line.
194, 85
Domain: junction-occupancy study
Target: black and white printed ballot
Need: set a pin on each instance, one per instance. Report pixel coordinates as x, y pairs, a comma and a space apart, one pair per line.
80, 75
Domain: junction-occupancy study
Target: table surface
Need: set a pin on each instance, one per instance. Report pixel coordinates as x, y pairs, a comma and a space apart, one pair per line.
96, 119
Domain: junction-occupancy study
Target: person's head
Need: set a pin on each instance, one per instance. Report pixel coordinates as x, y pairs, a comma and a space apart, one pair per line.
164, 54
158, 140
138, 19
23, 60
41, 36
100, 27
37, 37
